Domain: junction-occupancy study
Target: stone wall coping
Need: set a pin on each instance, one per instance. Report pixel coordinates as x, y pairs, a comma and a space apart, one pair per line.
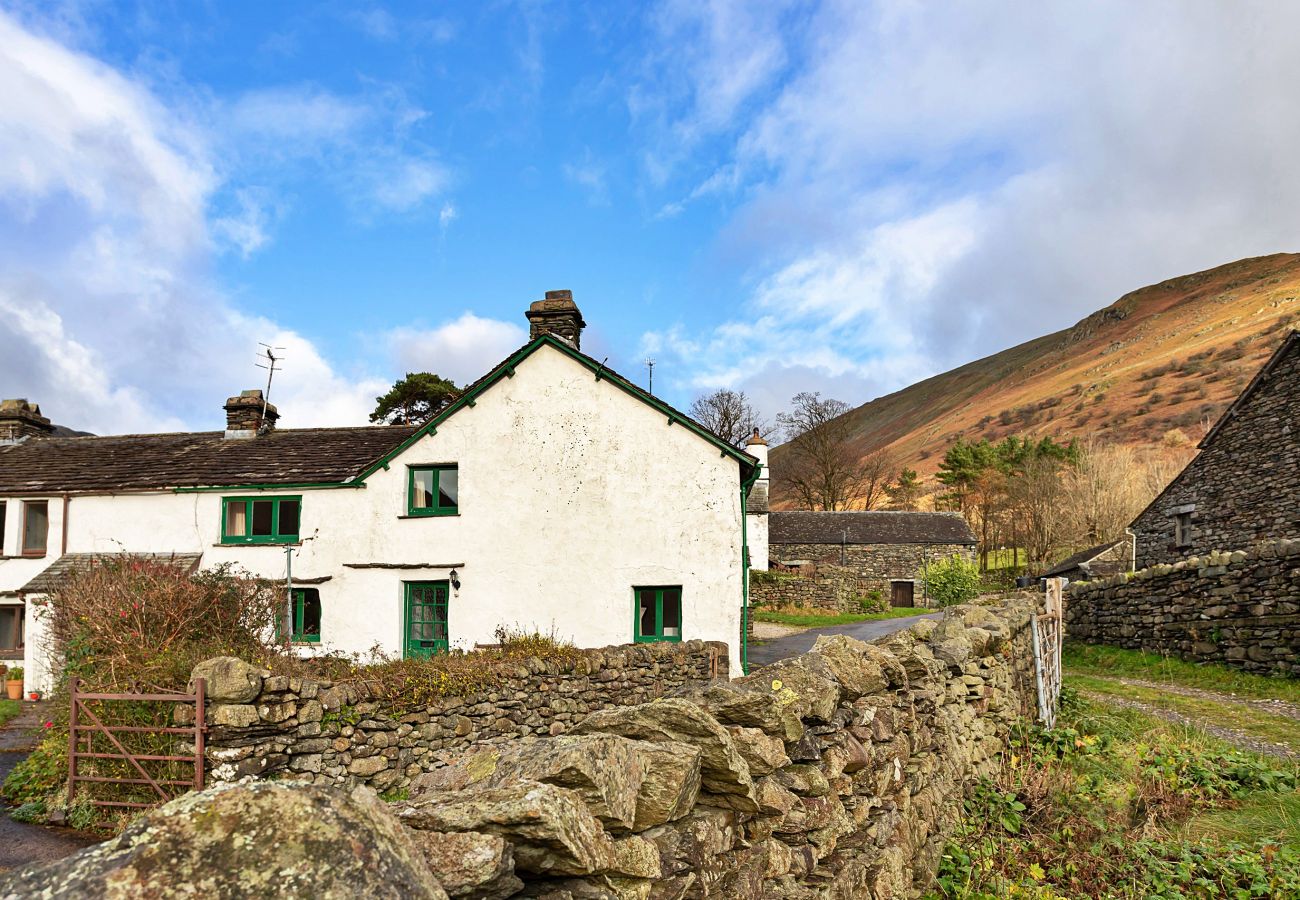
1215, 558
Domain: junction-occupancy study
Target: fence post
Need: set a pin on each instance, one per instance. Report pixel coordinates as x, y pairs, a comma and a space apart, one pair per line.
200, 726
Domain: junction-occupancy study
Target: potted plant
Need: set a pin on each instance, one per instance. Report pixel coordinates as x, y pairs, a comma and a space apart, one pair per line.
14, 683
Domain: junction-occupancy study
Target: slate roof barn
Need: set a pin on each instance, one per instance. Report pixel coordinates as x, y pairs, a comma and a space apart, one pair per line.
874, 527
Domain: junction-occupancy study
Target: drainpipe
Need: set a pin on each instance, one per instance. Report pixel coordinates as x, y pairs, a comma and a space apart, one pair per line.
67, 502
745, 487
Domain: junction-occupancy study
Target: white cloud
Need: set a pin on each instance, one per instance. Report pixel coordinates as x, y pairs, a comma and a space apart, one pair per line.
932, 183
462, 350
589, 175
447, 215
108, 317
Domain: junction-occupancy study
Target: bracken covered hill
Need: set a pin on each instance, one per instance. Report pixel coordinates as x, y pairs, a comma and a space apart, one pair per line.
1169, 356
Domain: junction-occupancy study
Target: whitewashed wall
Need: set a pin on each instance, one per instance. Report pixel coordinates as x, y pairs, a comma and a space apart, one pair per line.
572, 492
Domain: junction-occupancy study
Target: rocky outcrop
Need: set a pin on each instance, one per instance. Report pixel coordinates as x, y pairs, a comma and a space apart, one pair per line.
1239, 608
247, 840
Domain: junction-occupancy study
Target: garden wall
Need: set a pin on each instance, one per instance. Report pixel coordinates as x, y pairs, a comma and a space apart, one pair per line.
837, 774
1240, 608
822, 586
876, 564
346, 734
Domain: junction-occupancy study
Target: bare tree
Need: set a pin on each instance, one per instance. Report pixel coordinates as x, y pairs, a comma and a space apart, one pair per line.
730, 416
821, 468
878, 471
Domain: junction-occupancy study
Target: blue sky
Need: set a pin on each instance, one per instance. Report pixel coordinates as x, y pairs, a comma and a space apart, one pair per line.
777, 197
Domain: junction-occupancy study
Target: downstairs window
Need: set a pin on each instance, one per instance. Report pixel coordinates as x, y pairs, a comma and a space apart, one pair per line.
305, 616
658, 614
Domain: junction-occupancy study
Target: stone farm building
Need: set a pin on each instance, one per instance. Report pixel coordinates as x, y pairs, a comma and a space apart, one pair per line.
887, 550
1244, 486
552, 495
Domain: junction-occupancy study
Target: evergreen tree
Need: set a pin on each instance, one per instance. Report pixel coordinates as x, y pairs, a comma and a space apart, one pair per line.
414, 399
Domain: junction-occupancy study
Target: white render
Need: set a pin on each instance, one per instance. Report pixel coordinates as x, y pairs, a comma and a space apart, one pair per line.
572, 493
756, 522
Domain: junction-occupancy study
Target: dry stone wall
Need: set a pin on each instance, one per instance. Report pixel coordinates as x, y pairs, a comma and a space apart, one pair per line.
1240, 608
836, 774
345, 734
823, 587
876, 565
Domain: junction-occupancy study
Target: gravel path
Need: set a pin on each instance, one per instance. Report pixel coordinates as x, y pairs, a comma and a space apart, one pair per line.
21, 843
1276, 707
1232, 736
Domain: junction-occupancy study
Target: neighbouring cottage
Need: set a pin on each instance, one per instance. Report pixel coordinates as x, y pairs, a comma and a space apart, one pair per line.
1244, 486
552, 495
887, 550
1103, 561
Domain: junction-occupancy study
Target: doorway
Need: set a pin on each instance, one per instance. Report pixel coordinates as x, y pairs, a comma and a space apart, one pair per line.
902, 593
424, 630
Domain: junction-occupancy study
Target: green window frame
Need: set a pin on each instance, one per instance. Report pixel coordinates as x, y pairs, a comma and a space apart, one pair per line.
657, 614
305, 616
261, 520
425, 618
433, 490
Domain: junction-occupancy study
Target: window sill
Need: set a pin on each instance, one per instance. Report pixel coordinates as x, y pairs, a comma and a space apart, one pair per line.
656, 640
40, 555
446, 515
268, 545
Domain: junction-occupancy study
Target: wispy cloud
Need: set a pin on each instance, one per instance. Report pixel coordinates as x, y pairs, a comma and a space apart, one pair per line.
589, 174
925, 184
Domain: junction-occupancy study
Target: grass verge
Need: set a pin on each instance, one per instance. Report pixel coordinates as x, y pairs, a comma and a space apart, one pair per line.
1117, 804
816, 617
1256, 723
1088, 659
9, 709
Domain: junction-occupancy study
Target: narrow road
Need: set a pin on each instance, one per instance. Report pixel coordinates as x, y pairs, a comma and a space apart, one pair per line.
794, 644
21, 843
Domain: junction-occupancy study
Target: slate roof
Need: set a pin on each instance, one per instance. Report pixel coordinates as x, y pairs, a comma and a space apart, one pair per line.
68, 563
1075, 561
875, 527
48, 465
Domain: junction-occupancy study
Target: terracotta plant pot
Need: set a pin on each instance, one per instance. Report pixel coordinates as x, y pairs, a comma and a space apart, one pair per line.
15, 689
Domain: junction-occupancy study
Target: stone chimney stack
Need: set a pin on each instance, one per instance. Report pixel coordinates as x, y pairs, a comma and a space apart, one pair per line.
557, 315
20, 420
244, 415
756, 512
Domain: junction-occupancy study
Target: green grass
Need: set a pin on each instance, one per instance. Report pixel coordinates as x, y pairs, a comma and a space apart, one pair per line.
9, 709
1262, 725
1087, 659
1266, 816
815, 619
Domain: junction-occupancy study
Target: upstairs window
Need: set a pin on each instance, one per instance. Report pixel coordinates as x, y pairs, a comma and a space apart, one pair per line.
1183, 529
433, 491
658, 614
305, 616
260, 520
36, 527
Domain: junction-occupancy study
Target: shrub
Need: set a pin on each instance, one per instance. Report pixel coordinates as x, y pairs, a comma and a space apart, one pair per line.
873, 602
951, 581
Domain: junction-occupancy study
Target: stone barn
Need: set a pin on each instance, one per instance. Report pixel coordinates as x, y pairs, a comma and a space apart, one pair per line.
887, 550
1244, 486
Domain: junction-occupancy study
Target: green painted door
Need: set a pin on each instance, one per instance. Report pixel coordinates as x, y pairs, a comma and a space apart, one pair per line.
425, 628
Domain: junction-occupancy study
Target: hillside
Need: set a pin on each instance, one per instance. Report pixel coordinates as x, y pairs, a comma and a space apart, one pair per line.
1169, 356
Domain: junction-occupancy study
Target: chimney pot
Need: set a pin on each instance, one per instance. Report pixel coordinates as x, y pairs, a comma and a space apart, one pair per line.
244, 415
556, 314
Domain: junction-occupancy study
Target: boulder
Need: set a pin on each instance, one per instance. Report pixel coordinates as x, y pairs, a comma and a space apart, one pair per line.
247, 839
550, 827
764, 753
671, 783
470, 866
723, 771
228, 679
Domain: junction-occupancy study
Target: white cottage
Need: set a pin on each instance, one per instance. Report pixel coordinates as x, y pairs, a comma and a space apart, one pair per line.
552, 495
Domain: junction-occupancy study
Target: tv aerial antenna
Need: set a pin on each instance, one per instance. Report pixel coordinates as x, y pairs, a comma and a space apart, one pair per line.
650, 364
272, 365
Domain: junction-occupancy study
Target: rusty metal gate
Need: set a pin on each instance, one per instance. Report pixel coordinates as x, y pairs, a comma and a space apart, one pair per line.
99, 753
1049, 637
